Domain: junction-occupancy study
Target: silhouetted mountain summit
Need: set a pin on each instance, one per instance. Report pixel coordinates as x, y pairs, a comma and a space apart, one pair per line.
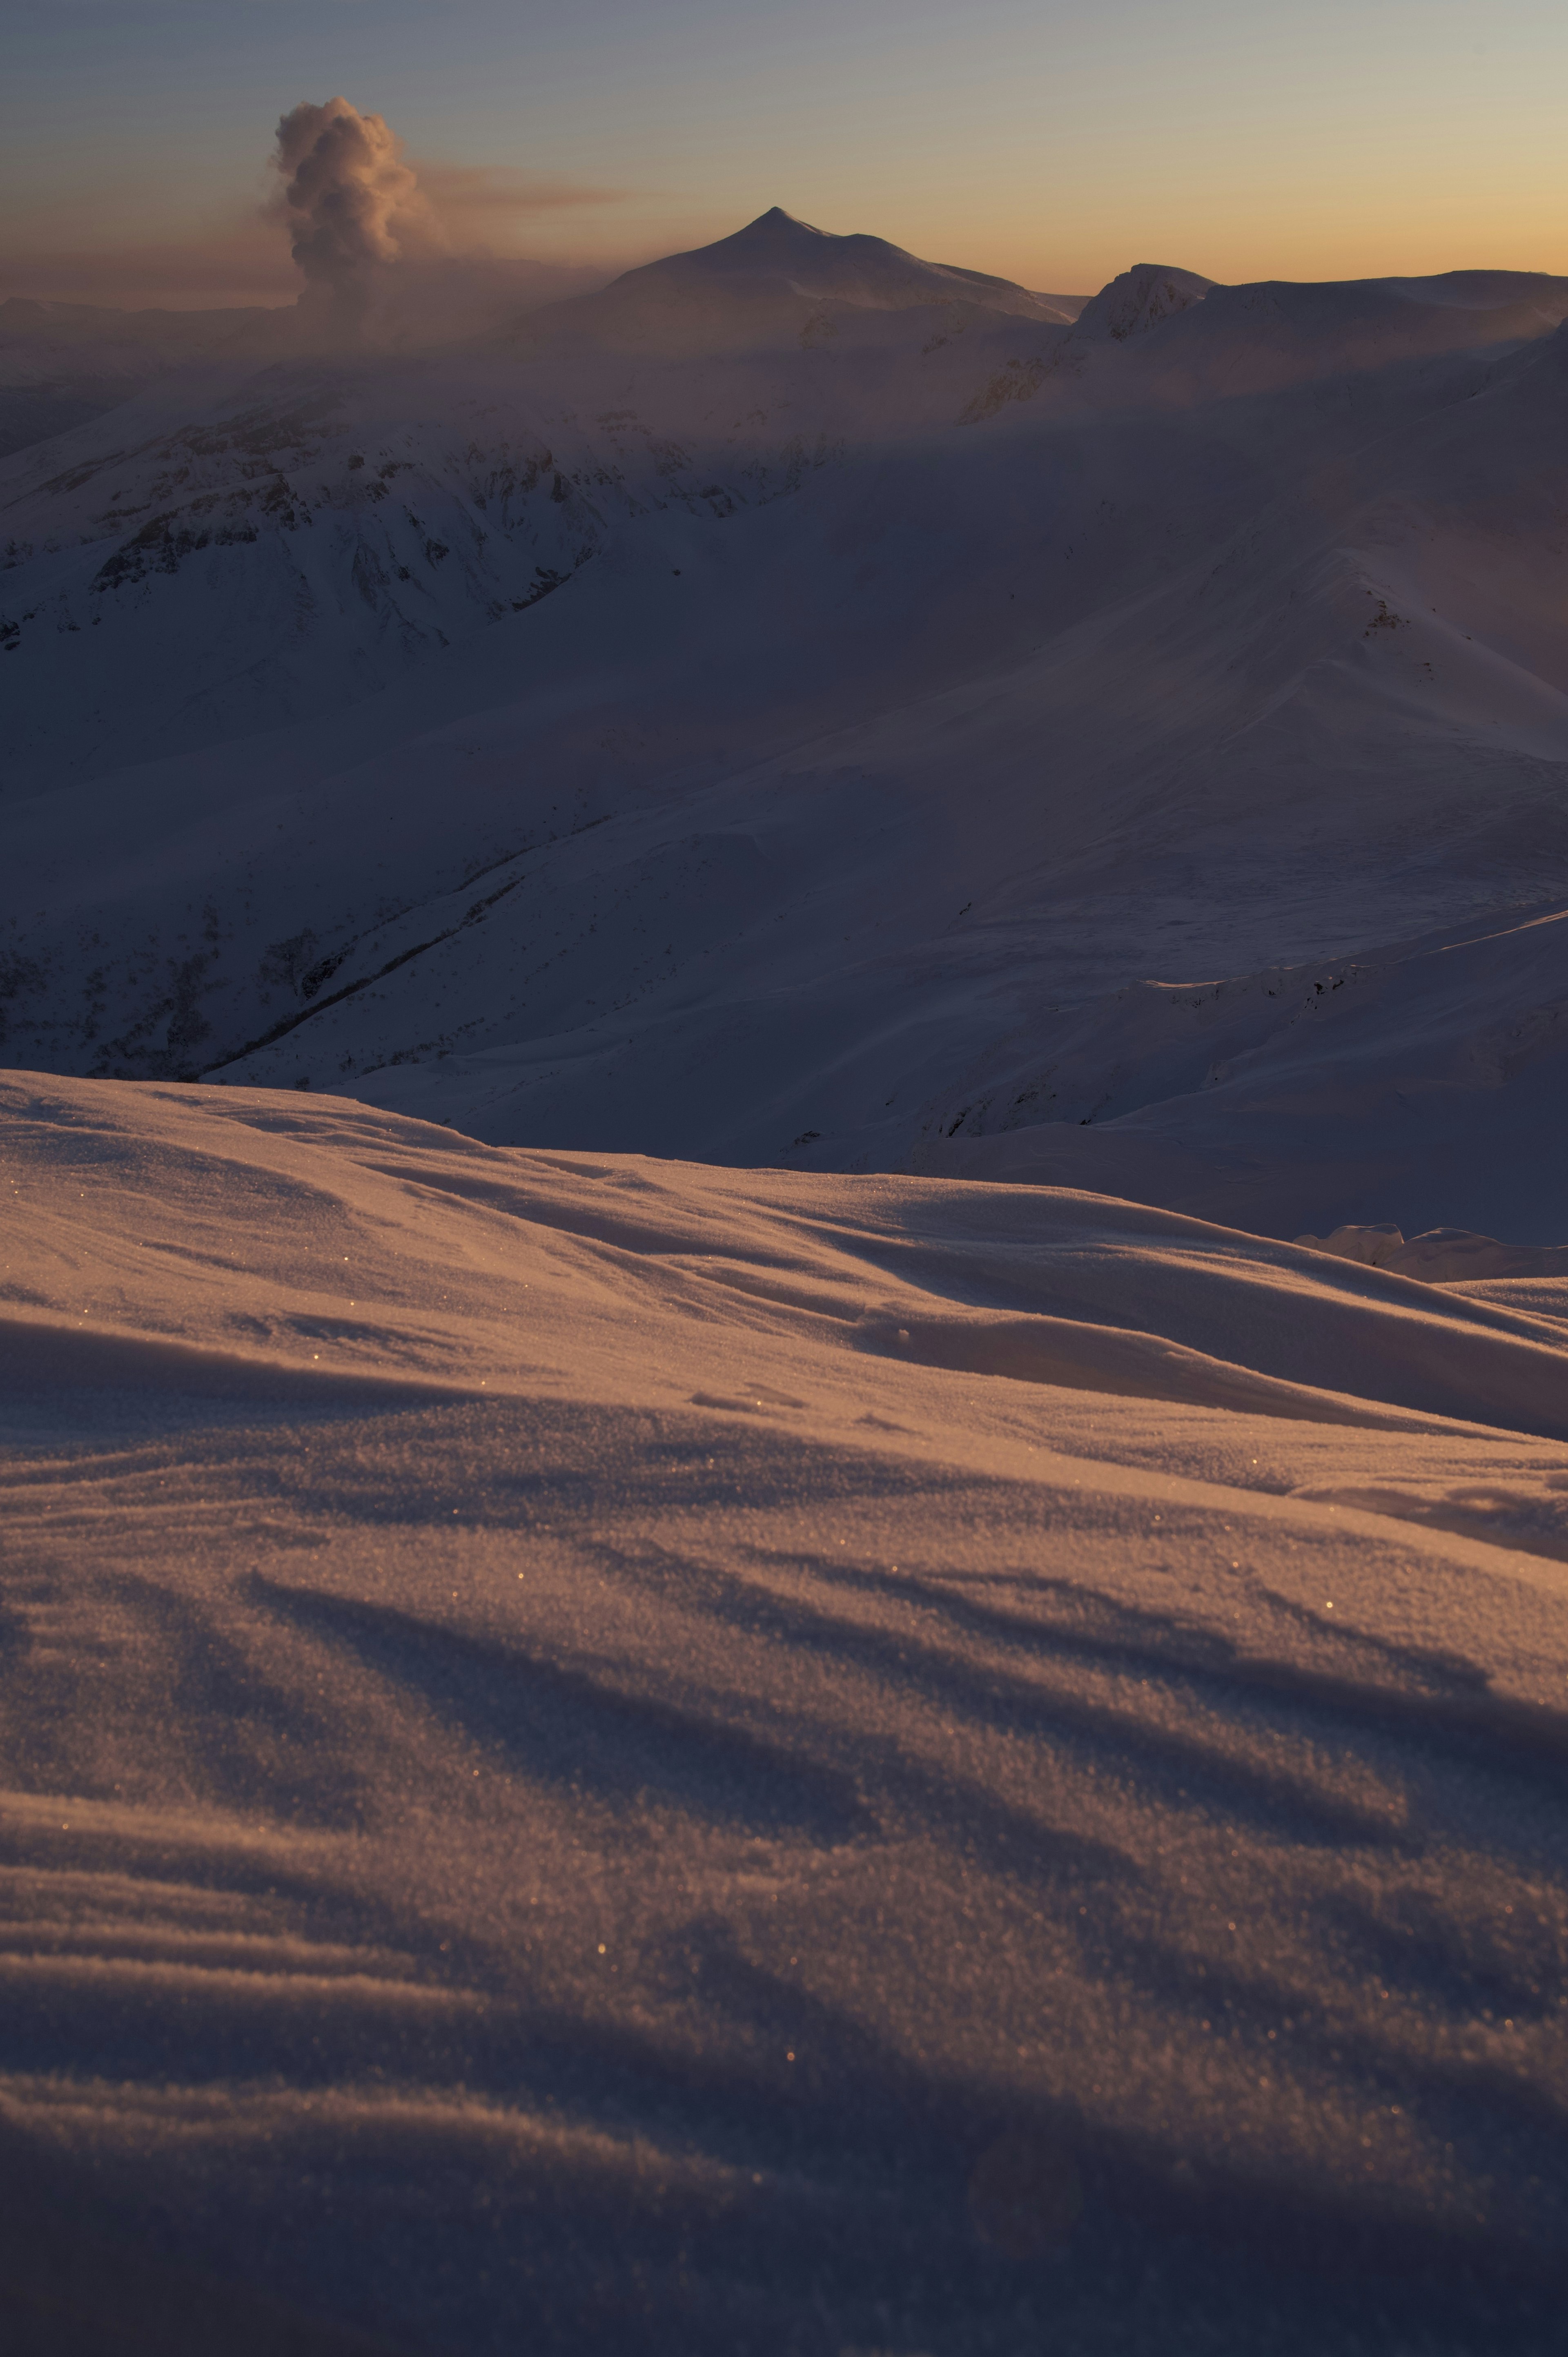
773, 277
865, 271
1140, 298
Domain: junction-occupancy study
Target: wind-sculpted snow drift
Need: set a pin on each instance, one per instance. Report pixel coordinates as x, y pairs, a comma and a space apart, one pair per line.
804, 704
612, 1756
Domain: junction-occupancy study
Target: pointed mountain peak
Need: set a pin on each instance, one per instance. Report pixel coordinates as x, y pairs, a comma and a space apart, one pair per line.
776, 217
754, 283
775, 235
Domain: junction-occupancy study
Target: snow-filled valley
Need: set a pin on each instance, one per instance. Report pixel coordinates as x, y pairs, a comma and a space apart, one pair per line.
784, 1320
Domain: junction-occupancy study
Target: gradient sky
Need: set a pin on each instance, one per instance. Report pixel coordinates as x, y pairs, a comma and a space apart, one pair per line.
1053, 143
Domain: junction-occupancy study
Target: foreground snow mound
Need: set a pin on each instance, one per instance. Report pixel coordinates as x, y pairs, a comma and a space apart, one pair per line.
759, 1760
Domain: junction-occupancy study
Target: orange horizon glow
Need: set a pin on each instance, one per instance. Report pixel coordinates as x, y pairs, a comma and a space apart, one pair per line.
249, 261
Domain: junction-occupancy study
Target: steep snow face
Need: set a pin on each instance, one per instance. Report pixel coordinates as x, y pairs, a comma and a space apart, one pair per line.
906, 699
290, 548
293, 547
1140, 300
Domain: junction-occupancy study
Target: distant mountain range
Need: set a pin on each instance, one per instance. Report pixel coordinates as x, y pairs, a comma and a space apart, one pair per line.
801, 704
63, 364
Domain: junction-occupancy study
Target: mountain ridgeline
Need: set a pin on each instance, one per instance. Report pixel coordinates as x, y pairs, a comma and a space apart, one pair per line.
799, 703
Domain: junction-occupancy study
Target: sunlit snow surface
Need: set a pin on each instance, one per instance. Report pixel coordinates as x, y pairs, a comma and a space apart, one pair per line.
621, 1756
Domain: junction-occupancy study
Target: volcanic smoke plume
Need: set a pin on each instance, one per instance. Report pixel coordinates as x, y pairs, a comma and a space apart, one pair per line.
353, 205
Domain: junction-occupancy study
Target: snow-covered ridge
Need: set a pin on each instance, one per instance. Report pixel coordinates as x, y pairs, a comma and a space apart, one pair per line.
815, 730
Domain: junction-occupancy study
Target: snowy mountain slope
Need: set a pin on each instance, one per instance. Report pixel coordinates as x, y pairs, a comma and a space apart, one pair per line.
292, 550
911, 694
317, 526
381, 533
432, 483
1275, 837
1434, 1075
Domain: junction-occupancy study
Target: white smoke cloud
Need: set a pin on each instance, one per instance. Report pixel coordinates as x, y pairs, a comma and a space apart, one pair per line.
352, 205
393, 262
